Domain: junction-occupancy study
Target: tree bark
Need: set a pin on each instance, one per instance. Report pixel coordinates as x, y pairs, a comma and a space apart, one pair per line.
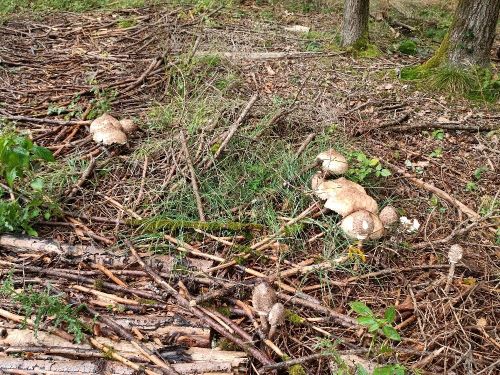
355, 23
471, 35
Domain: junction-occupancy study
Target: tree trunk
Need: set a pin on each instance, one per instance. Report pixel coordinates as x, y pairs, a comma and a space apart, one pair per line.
471, 35
355, 24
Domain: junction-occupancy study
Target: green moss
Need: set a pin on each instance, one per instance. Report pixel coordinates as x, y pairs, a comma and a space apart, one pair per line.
408, 47
224, 310
370, 51
159, 223
294, 318
297, 370
98, 284
439, 56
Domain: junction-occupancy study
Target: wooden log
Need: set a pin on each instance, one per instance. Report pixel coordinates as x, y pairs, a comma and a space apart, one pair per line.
202, 360
16, 366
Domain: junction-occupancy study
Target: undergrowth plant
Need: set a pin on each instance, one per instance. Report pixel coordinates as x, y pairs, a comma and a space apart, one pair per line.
46, 307
364, 168
21, 199
376, 324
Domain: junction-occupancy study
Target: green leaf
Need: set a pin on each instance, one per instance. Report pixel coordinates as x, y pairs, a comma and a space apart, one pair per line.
373, 162
366, 320
361, 308
390, 314
374, 327
360, 370
391, 333
10, 176
37, 184
43, 153
385, 172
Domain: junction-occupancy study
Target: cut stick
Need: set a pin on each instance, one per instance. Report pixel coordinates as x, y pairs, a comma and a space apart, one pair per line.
231, 131
433, 189
44, 120
110, 274
247, 347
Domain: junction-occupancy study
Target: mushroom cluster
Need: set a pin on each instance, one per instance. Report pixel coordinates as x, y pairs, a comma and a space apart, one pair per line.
271, 312
361, 219
108, 130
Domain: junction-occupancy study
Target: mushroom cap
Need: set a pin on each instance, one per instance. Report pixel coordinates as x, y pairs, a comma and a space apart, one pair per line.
110, 136
358, 225
389, 216
263, 298
347, 198
104, 122
128, 125
455, 253
316, 180
330, 188
378, 227
277, 314
332, 162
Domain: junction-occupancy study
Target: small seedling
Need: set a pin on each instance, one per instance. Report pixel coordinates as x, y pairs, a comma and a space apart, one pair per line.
437, 153
478, 173
367, 318
365, 167
470, 186
438, 134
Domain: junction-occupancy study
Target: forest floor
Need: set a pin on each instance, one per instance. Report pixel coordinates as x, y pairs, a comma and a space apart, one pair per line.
196, 69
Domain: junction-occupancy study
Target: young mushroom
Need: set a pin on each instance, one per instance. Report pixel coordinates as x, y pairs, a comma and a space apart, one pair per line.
276, 318
332, 162
358, 225
454, 255
107, 130
128, 126
263, 299
389, 216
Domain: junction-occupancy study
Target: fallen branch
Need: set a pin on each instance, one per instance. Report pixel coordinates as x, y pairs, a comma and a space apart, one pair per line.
247, 347
44, 120
438, 192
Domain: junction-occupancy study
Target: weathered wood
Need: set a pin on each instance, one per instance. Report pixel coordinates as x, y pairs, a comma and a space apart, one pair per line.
355, 23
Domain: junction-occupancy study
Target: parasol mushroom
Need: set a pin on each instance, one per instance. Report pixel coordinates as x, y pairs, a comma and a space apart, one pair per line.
389, 216
128, 126
332, 162
454, 255
263, 299
276, 318
107, 130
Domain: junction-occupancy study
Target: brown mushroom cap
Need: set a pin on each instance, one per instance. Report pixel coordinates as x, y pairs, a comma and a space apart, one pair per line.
331, 188
128, 126
389, 216
110, 136
332, 162
277, 314
104, 122
263, 298
455, 253
358, 225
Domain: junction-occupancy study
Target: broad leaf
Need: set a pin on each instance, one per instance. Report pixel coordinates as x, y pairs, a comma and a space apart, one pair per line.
43, 153
366, 320
391, 333
390, 314
361, 308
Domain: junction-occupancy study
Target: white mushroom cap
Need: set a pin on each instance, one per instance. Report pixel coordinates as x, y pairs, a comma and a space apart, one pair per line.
389, 216
263, 298
455, 253
378, 228
104, 122
107, 130
358, 225
277, 314
128, 126
110, 136
332, 162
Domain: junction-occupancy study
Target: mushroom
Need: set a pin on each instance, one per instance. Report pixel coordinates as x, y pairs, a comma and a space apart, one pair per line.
454, 255
128, 126
324, 189
276, 318
378, 228
107, 130
358, 225
332, 162
263, 299
316, 180
349, 198
389, 216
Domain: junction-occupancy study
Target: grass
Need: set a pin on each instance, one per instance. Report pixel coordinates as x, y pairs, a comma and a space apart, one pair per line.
474, 83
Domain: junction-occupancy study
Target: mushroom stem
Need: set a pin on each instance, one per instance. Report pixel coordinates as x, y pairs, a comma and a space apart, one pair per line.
264, 323
272, 332
449, 280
